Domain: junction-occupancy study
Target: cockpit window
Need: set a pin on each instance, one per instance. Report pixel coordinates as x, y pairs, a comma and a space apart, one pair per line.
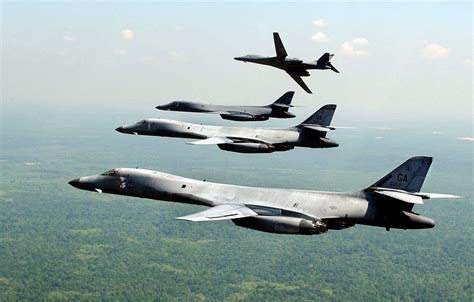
109, 173
143, 122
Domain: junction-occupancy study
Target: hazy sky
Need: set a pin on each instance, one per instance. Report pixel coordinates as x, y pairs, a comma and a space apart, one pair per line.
397, 60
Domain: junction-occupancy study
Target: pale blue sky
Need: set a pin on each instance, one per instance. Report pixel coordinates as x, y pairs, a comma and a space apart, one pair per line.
410, 60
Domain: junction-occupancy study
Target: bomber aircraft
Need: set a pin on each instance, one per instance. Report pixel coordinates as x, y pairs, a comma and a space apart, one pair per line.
387, 203
296, 68
311, 133
278, 109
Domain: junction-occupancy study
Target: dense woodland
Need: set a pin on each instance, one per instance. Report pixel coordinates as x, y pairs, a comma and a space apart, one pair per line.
58, 243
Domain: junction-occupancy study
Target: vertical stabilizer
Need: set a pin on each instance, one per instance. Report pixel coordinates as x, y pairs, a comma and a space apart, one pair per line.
279, 48
409, 176
322, 117
325, 58
285, 99
324, 61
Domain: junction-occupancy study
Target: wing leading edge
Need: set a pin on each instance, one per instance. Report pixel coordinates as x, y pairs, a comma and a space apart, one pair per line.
212, 141
221, 212
300, 81
218, 140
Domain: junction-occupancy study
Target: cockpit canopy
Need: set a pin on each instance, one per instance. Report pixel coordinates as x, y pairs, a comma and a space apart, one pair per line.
110, 172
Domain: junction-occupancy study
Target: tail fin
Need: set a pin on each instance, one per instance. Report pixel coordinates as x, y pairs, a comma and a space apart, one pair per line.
325, 58
409, 176
324, 61
279, 48
322, 117
285, 100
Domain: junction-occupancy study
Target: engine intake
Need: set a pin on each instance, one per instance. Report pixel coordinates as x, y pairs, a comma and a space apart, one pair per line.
282, 225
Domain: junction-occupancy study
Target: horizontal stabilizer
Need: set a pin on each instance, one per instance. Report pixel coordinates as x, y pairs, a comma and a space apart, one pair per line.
212, 141
405, 197
435, 195
221, 212
342, 127
317, 127
282, 105
332, 67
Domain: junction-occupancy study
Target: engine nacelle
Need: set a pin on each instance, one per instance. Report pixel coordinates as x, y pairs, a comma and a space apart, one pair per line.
282, 225
328, 143
243, 117
247, 147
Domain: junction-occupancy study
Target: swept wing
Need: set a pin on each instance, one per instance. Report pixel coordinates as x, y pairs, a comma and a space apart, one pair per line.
212, 141
299, 80
221, 212
217, 140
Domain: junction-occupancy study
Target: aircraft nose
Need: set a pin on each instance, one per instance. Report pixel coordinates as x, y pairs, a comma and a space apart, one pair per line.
75, 182
239, 59
119, 129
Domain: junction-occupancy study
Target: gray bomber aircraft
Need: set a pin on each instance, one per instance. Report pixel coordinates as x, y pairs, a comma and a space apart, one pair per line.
387, 203
311, 133
278, 109
296, 68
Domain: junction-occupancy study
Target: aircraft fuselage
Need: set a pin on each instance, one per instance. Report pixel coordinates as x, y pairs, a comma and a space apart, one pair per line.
290, 137
287, 64
227, 112
337, 210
